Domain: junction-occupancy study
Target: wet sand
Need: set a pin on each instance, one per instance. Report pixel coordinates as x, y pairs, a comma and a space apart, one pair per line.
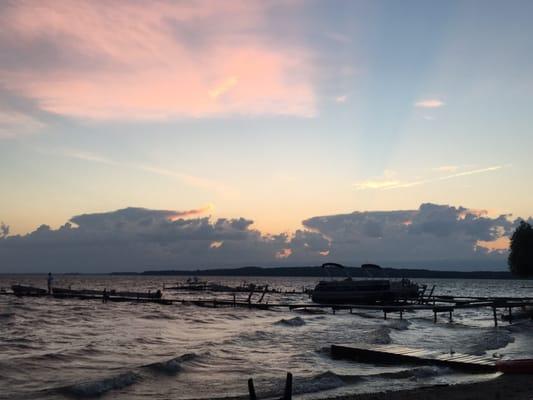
504, 387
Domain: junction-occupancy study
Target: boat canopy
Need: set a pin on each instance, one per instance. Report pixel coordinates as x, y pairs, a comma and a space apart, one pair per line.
372, 270
326, 266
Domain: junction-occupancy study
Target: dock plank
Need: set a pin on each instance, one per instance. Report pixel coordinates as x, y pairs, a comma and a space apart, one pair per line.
390, 354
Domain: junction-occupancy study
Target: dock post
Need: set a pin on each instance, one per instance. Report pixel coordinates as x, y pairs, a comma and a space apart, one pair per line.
434, 316
351, 310
495, 316
250, 295
234, 301
384, 314
510, 315
451, 317
287, 395
333, 309
251, 389
263, 295
401, 314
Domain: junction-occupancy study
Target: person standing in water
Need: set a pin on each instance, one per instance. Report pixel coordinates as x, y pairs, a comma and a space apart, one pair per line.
50, 281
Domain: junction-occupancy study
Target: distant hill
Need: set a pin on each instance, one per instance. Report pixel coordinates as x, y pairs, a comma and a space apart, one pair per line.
316, 271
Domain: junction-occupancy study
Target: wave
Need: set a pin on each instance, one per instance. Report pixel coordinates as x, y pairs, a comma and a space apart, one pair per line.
317, 383
171, 366
301, 385
233, 317
159, 316
521, 326
250, 336
399, 324
100, 386
414, 373
6, 315
52, 356
491, 340
296, 321
310, 384
380, 335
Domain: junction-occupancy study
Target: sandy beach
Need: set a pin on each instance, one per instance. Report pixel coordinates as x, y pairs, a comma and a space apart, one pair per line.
509, 387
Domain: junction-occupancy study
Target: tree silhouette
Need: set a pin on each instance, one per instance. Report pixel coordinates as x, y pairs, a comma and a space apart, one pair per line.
4, 230
521, 256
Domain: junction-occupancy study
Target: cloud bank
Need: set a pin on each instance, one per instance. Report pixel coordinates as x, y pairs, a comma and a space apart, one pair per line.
137, 239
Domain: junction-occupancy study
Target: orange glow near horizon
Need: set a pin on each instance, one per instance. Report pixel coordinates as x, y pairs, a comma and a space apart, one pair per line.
500, 244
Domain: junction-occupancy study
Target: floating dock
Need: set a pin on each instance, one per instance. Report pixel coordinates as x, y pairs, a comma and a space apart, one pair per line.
392, 354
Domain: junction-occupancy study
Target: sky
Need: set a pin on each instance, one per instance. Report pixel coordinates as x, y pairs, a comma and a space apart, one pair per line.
284, 132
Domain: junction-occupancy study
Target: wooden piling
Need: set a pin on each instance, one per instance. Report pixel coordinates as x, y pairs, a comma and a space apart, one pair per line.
287, 395
263, 295
251, 389
249, 300
495, 315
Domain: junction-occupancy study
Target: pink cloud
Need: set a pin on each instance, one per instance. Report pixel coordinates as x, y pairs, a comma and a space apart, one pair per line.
125, 60
189, 213
429, 103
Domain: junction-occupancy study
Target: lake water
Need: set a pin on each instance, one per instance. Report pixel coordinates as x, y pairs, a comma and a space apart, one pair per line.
52, 348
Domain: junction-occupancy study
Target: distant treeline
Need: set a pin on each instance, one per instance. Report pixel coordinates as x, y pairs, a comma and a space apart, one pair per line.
319, 272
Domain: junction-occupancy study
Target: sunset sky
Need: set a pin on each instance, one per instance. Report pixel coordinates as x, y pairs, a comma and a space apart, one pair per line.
275, 112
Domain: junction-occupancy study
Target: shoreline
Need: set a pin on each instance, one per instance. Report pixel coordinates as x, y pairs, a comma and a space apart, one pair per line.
508, 387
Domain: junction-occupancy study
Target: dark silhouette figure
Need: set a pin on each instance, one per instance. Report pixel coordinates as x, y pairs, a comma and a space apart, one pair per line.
105, 296
521, 255
50, 281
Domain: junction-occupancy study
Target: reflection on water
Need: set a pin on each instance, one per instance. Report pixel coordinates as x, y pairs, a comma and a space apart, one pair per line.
54, 348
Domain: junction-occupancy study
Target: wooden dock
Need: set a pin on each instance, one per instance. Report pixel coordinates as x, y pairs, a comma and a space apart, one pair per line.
392, 354
437, 305
117, 299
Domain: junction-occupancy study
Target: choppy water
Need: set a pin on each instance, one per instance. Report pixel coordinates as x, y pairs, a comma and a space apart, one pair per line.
52, 348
